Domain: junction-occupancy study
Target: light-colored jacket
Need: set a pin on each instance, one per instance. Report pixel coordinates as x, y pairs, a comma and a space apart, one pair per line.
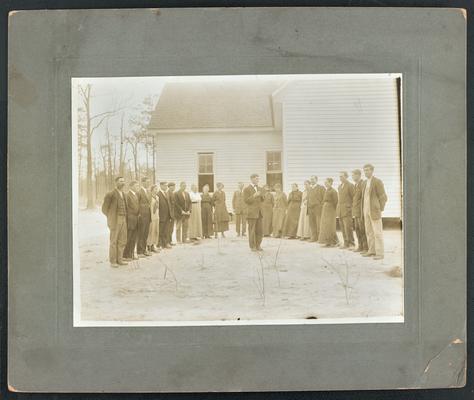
155, 208
378, 197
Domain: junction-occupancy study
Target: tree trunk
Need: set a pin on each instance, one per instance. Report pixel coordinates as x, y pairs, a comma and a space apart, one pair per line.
121, 155
135, 161
79, 171
146, 153
154, 161
109, 160
96, 180
90, 194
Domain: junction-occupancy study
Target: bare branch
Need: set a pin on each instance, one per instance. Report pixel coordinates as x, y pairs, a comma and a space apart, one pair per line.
98, 124
107, 113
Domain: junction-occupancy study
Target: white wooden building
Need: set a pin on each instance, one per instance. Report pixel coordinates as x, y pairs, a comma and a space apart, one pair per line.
223, 131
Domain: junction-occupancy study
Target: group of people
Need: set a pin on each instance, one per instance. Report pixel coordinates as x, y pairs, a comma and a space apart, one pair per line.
142, 220
145, 217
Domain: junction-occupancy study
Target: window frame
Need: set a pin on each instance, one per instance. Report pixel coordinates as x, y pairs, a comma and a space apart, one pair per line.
207, 174
275, 172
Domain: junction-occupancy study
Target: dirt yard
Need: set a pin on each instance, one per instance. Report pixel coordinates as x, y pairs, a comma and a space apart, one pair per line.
221, 279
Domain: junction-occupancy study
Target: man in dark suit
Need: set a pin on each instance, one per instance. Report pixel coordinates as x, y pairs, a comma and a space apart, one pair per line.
144, 218
253, 197
183, 211
374, 199
359, 186
315, 207
172, 201
164, 214
240, 210
133, 212
344, 206
114, 208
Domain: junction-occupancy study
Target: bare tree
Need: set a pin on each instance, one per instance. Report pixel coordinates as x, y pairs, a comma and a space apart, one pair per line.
134, 141
92, 122
138, 122
123, 149
81, 145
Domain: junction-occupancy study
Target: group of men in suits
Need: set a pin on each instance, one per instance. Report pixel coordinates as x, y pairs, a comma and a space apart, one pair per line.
129, 218
360, 207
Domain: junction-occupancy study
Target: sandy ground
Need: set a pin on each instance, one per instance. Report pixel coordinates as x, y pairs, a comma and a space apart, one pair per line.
220, 279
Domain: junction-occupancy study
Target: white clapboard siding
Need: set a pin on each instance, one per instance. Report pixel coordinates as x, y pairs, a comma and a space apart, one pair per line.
341, 124
237, 154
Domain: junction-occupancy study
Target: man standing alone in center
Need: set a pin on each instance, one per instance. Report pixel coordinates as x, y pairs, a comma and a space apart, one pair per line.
253, 197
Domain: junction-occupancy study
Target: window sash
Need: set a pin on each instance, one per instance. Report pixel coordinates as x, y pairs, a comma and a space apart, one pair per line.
274, 162
206, 163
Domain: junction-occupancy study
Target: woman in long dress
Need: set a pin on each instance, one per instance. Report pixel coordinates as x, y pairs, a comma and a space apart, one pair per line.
327, 233
304, 232
152, 241
293, 212
279, 211
221, 215
267, 211
206, 212
195, 220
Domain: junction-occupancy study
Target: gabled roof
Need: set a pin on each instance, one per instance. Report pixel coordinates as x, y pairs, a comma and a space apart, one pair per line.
188, 105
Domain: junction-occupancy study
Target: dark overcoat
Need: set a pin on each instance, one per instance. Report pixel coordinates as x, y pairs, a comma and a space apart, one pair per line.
346, 194
254, 202
110, 206
133, 210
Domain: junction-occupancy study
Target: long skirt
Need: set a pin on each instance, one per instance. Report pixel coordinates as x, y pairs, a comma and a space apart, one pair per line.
221, 226
153, 233
195, 222
278, 221
267, 212
207, 220
304, 231
327, 233
291, 222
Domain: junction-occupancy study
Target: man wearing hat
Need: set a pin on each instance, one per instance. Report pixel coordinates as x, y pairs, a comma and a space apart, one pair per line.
253, 197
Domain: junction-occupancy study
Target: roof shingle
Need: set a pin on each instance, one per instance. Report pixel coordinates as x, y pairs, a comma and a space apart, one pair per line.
188, 105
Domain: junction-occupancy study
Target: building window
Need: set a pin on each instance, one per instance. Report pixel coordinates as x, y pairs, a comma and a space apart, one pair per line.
206, 171
274, 172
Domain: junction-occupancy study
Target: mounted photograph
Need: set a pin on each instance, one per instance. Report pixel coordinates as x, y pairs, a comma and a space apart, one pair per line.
237, 199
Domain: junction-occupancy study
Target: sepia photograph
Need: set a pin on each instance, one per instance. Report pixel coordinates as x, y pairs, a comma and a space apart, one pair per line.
237, 199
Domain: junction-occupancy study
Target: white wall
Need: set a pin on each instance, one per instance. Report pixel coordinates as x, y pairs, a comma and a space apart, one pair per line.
342, 124
237, 154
